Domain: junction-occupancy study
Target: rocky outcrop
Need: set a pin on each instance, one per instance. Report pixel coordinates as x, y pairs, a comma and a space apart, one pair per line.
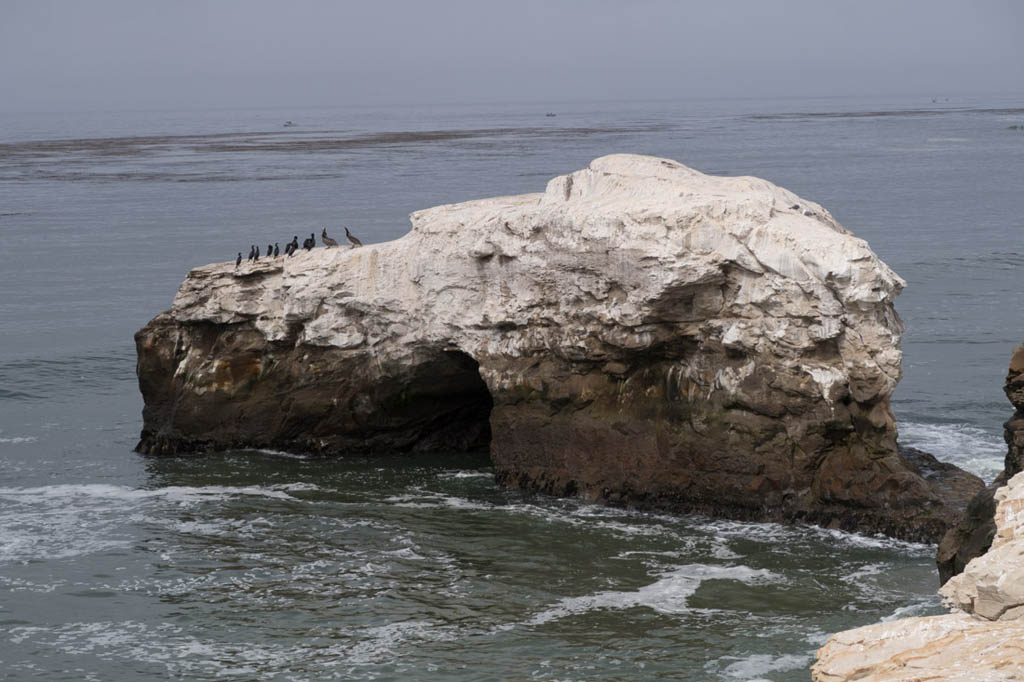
983, 639
639, 333
973, 535
992, 585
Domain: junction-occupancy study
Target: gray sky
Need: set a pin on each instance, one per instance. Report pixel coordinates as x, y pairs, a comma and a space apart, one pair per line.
113, 54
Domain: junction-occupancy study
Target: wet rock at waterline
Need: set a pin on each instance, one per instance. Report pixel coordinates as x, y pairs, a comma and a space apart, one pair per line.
973, 535
640, 333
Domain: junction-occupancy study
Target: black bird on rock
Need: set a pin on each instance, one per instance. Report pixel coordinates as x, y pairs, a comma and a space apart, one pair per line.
270, 250
238, 261
256, 257
352, 239
252, 251
292, 246
277, 250
308, 244
325, 239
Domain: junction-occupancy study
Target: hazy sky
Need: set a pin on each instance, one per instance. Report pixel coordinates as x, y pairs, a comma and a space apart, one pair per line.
115, 54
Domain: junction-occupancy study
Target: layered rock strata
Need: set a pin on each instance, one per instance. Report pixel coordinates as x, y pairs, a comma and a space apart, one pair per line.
973, 535
983, 639
639, 333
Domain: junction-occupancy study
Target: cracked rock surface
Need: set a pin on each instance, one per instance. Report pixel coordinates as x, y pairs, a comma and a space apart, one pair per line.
639, 333
982, 639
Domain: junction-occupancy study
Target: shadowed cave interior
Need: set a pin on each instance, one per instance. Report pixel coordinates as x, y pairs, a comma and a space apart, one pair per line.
449, 401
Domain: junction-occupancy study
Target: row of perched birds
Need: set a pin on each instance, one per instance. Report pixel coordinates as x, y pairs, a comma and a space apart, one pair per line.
273, 250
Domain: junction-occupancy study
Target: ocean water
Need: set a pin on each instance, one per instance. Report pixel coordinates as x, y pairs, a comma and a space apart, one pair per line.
260, 565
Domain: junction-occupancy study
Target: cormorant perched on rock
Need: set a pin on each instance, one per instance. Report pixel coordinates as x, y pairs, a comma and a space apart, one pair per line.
238, 261
270, 250
252, 251
308, 244
352, 239
292, 246
257, 256
325, 239
277, 250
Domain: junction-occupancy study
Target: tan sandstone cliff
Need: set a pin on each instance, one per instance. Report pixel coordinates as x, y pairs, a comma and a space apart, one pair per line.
982, 640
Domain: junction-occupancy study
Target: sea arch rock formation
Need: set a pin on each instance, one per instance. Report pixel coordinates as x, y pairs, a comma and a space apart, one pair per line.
639, 333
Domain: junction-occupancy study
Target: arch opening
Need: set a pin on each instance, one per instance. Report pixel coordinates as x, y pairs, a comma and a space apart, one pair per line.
451, 402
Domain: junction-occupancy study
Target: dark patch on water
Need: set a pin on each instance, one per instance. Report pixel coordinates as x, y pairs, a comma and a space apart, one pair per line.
55, 379
89, 159
1007, 259
99, 177
319, 141
881, 114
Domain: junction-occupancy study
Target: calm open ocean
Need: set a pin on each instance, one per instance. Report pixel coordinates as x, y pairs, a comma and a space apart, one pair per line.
258, 566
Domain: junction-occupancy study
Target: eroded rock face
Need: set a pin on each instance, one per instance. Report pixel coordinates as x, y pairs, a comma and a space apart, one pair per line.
983, 639
639, 333
973, 535
953, 648
992, 585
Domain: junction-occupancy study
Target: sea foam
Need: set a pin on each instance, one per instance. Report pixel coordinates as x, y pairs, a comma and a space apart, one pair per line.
966, 446
668, 595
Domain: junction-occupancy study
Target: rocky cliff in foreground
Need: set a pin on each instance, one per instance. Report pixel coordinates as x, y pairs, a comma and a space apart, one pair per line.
639, 333
973, 535
983, 639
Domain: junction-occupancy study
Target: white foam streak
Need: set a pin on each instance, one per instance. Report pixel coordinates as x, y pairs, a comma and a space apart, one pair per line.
280, 453
668, 595
67, 520
466, 474
753, 668
183, 655
179, 494
779, 535
922, 608
436, 501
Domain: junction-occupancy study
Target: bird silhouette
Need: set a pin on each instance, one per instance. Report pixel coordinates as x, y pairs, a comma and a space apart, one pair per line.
352, 239
292, 246
252, 251
238, 261
327, 240
277, 250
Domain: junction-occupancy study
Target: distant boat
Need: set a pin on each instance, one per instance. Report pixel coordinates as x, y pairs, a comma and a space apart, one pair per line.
549, 114
288, 124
